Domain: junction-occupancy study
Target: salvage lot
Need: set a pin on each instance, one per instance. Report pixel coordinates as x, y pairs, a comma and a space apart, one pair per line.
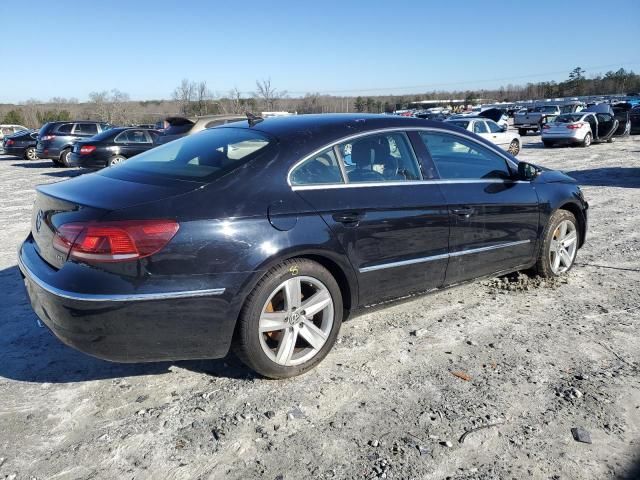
533, 360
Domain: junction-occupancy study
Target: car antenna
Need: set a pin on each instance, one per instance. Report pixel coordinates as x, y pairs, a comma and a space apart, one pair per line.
253, 119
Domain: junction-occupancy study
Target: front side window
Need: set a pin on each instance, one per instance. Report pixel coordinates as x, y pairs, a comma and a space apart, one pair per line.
203, 157
493, 126
459, 158
132, 136
86, 128
380, 158
318, 170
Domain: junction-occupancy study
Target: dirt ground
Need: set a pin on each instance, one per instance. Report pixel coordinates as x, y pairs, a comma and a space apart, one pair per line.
537, 358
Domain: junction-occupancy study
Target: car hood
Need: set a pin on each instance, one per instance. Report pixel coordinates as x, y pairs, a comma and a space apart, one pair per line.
554, 176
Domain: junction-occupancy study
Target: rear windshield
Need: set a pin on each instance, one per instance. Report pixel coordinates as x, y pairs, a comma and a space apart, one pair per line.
459, 123
569, 118
203, 157
45, 128
178, 129
104, 134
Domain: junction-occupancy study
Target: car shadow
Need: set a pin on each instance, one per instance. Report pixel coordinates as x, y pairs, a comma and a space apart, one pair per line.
626, 177
30, 353
631, 473
33, 164
60, 173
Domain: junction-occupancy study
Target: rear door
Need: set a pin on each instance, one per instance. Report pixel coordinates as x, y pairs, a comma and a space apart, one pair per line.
607, 125
494, 218
393, 225
132, 142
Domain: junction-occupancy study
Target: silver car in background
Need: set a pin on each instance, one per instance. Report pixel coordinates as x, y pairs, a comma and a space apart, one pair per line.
499, 135
582, 128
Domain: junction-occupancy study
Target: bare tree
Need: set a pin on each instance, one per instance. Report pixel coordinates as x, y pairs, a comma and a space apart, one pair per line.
203, 97
184, 94
110, 107
269, 95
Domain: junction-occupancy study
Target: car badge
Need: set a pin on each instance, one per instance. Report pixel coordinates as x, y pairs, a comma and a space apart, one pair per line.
39, 219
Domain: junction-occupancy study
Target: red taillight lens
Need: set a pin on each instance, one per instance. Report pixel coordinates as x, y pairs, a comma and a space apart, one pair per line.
87, 149
48, 137
9, 142
114, 241
575, 126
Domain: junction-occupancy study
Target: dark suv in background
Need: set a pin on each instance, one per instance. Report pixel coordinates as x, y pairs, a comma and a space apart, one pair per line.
56, 139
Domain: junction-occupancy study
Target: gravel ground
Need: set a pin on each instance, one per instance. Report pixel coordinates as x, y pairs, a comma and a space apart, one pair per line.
521, 360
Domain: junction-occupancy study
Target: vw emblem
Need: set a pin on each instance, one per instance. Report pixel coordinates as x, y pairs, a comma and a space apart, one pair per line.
39, 219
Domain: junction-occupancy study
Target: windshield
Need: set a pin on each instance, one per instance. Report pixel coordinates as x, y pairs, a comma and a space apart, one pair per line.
568, 118
205, 156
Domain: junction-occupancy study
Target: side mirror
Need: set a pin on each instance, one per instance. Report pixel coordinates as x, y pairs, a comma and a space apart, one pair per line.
527, 171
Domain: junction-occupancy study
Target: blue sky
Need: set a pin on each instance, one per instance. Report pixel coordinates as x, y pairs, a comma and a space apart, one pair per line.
370, 47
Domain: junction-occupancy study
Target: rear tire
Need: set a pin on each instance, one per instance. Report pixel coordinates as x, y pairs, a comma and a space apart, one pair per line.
276, 315
64, 157
559, 246
586, 141
522, 132
30, 154
547, 144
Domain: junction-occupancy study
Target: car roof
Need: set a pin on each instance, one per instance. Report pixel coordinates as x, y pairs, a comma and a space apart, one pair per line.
334, 125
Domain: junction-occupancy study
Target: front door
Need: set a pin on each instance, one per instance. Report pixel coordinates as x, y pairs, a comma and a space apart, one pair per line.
393, 226
494, 218
133, 142
607, 125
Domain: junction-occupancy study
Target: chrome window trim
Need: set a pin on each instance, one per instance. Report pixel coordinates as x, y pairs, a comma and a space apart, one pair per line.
443, 256
91, 297
348, 138
333, 186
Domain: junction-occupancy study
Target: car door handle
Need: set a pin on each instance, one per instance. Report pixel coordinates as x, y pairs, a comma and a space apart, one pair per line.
463, 212
348, 217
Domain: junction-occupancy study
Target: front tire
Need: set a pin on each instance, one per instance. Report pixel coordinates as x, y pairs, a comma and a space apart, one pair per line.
290, 321
514, 147
559, 245
30, 154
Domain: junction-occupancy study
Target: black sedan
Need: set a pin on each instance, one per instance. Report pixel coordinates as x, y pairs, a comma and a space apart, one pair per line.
267, 234
111, 147
21, 144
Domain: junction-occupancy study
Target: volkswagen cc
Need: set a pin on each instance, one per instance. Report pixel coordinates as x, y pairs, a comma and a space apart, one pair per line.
264, 235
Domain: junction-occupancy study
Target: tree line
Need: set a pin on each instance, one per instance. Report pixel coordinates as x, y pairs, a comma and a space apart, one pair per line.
196, 98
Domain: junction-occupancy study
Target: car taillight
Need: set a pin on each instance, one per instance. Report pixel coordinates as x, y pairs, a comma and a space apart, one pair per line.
48, 137
114, 241
575, 126
9, 142
87, 149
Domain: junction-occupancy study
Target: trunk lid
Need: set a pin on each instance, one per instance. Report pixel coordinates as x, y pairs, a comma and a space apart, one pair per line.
89, 198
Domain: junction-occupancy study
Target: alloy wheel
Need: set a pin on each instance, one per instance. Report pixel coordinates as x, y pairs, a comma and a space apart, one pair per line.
563, 248
514, 147
296, 321
31, 154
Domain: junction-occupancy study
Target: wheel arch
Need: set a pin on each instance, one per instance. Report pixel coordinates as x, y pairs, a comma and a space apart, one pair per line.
578, 213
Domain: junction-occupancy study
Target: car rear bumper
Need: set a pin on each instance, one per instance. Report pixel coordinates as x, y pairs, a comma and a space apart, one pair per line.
561, 139
47, 151
15, 151
84, 161
133, 326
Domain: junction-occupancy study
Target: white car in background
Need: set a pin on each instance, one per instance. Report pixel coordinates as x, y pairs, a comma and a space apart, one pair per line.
6, 130
499, 135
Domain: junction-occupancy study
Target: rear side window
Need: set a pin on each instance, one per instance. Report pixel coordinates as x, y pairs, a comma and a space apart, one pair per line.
65, 128
479, 127
460, 123
203, 157
380, 158
459, 158
132, 136
317, 170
